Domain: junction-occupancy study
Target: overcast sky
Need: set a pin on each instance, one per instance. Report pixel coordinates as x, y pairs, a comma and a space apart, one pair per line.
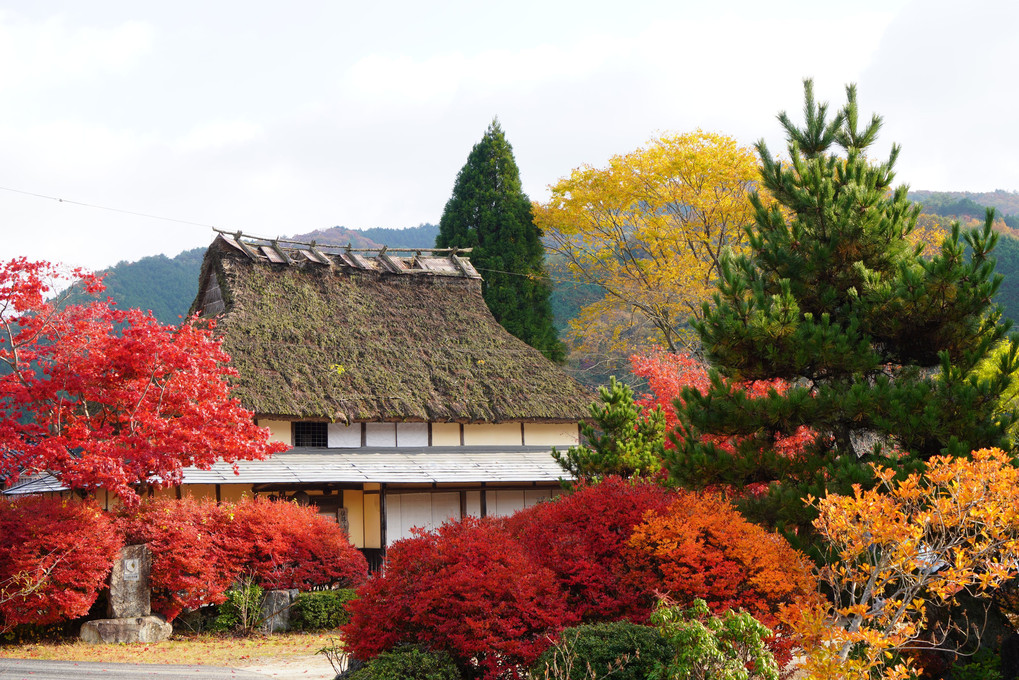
280, 118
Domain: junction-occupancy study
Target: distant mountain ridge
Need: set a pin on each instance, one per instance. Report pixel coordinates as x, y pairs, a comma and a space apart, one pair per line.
168, 285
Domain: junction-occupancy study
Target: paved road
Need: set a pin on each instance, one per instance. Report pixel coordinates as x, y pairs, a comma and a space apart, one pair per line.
24, 669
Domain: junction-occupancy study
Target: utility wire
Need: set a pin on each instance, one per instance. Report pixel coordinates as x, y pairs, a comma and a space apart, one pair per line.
103, 207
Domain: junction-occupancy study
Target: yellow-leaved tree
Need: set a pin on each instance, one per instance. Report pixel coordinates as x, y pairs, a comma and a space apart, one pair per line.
902, 548
648, 231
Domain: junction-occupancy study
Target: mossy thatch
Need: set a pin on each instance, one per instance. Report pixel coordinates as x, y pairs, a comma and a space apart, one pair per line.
344, 343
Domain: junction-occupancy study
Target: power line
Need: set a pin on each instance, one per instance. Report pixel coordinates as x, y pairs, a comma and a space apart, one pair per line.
103, 207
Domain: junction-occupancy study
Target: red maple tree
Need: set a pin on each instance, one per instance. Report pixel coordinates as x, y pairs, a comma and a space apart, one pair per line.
103, 397
668, 374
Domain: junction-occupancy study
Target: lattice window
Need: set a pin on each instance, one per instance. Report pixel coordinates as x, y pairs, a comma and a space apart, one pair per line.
310, 434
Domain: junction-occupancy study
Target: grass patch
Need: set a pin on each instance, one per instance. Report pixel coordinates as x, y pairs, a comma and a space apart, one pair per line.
209, 650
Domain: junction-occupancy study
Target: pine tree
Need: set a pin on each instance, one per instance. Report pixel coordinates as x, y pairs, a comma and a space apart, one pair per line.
878, 343
490, 213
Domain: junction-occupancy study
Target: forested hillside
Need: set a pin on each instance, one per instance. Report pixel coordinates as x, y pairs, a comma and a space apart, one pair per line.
165, 286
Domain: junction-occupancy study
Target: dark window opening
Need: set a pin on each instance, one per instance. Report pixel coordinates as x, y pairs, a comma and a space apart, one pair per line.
310, 434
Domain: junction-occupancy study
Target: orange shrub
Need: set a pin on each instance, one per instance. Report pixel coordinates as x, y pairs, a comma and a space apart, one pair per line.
703, 548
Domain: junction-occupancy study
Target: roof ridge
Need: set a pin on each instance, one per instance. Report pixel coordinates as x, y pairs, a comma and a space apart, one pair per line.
446, 262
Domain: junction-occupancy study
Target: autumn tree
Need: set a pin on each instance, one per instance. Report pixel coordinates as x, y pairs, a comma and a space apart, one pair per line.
900, 549
490, 213
102, 397
877, 344
649, 231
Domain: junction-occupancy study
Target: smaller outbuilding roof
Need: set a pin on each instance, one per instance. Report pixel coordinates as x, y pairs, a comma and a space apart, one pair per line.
433, 464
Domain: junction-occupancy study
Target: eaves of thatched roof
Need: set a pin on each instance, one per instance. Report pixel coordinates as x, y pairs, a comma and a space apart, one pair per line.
332, 334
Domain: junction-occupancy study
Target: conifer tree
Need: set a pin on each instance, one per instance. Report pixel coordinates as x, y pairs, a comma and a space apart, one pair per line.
878, 343
490, 213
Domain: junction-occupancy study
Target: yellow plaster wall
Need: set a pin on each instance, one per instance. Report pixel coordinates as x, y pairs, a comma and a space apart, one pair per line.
445, 434
353, 501
279, 430
199, 491
551, 434
372, 520
492, 434
231, 493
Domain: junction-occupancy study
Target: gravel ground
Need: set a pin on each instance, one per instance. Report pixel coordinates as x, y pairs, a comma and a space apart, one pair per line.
315, 666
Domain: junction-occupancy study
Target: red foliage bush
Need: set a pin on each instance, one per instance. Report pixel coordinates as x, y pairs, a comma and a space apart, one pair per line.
468, 589
284, 545
702, 548
200, 548
191, 565
54, 557
582, 537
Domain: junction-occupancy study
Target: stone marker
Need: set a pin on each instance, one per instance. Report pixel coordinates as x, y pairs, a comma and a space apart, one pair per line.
129, 606
130, 590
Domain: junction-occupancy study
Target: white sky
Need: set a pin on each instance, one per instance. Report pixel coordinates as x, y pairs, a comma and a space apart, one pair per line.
278, 118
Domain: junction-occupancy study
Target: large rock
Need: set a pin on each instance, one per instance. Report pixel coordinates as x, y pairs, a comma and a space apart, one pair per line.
138, 629
130, 592
276, 610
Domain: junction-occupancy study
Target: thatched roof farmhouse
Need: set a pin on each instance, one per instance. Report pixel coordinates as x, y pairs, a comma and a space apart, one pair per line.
404, 401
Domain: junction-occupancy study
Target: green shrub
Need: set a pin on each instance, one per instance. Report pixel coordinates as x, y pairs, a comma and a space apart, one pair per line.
626, 650
408, 663
242, 611
321, 609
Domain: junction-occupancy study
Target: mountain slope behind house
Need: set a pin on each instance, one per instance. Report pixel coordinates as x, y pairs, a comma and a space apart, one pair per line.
969, 203
163, 285
421, 236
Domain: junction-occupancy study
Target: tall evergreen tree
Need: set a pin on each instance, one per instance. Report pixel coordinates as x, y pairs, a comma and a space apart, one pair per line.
490, 213
878, 343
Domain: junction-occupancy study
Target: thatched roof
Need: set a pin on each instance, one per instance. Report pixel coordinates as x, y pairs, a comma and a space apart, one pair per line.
333, 334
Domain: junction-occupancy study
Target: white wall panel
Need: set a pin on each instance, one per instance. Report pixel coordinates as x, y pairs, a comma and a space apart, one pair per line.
412, 434
340, 436
380, 434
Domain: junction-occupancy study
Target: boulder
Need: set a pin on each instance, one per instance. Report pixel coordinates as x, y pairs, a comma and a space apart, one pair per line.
138, 629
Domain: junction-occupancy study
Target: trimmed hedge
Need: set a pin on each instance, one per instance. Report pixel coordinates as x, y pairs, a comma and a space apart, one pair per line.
625, 650
408, 663
321, 609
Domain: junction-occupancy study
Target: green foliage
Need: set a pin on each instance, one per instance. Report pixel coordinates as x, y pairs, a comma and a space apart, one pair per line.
490, 213
321, 609
879, 344
621, 650
622, 441
730, 647
242, 611
408, 663
984, 665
